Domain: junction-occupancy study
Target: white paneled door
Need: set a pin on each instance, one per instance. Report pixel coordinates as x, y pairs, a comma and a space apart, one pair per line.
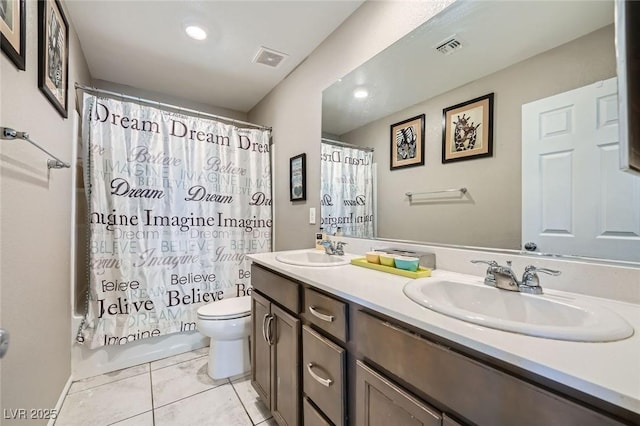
575, 200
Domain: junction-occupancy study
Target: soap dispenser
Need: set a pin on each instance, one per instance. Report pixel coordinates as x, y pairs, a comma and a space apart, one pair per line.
320, 236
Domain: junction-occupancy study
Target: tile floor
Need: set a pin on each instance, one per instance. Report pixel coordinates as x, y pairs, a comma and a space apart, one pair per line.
174, 391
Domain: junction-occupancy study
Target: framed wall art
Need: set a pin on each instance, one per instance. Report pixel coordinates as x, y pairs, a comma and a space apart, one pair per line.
53, 54
298, 178
12, 31
467, 130
407, 143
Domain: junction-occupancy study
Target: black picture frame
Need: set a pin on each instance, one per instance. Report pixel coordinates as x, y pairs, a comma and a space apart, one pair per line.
53, 54
298, 178
460, 138
406, 143
13, 36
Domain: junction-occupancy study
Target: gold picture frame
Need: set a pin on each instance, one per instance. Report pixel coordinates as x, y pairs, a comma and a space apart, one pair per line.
467, 130
407, 143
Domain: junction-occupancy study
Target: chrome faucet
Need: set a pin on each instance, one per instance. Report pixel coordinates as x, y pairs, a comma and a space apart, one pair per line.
331, 249
531, 281
490, 278
504, 278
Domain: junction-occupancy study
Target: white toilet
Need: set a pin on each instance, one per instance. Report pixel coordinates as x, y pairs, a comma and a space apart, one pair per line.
228, 323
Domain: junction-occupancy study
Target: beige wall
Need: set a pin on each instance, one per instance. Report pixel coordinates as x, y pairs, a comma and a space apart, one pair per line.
36, 232
490, 215
293, 108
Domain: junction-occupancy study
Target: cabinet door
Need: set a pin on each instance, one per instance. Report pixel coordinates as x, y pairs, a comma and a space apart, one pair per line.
260, 349
285, 389
381, 403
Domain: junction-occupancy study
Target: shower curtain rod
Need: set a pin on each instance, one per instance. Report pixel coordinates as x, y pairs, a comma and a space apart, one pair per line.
162, 104
346, 144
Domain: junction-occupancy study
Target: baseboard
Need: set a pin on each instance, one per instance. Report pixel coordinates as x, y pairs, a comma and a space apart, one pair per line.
58, 406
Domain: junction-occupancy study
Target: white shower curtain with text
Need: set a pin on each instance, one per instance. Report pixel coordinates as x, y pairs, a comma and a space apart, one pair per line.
175, 202
347, 191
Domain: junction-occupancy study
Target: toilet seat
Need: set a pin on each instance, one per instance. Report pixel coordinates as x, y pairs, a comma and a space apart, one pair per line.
226, 309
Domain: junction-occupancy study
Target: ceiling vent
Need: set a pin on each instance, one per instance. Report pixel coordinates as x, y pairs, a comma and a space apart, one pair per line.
449, 45
269, 57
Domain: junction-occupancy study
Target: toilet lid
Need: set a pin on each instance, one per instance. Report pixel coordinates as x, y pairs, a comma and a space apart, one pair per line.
234, 307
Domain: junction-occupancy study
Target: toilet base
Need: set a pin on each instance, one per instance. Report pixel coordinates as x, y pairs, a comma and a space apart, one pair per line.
228, 358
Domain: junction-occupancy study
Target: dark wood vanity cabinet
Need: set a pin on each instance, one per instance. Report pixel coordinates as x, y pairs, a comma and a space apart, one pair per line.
379, 402
280, 344
318, 360
275, 368
477, 392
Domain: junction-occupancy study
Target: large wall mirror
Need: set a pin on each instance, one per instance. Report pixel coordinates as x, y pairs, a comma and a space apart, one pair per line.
528, 55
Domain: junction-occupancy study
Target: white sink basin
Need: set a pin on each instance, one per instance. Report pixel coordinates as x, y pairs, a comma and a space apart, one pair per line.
311, 258
552, 317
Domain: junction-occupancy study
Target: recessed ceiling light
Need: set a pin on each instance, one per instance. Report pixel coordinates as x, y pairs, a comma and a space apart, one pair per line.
195, 32
360, 93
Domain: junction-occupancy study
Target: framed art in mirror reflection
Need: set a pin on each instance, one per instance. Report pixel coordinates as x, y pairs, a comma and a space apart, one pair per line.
467, 130
407, 143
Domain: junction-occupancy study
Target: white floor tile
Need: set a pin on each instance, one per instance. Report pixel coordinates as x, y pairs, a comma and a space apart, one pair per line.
216, 407
249, 398
181, 380
176, 359
92, 382
106, 404
145, 419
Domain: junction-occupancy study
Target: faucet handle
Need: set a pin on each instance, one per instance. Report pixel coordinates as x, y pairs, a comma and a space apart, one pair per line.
488, 262
534, 269
339, 248
530, 280
490, 278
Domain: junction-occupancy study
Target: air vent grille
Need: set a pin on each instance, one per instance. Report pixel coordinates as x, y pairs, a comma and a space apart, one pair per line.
449, 46
269, 57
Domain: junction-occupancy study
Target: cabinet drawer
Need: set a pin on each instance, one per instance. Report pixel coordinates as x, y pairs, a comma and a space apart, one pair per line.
323, 374
475, 391
278, 288
326, 313
311, 415
379, 402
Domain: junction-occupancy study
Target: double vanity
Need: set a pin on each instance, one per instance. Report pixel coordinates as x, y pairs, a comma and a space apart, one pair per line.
334, 343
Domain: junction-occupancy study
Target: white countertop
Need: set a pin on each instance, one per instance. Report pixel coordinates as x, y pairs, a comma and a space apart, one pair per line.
609, 371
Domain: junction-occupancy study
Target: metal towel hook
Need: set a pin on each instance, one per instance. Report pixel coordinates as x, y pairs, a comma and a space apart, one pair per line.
10, 134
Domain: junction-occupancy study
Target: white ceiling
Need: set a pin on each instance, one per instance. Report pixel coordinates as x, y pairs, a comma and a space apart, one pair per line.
494, 35
142, 44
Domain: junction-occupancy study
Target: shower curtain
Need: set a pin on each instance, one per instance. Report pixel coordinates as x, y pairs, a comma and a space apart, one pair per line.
346, 181
175, 203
